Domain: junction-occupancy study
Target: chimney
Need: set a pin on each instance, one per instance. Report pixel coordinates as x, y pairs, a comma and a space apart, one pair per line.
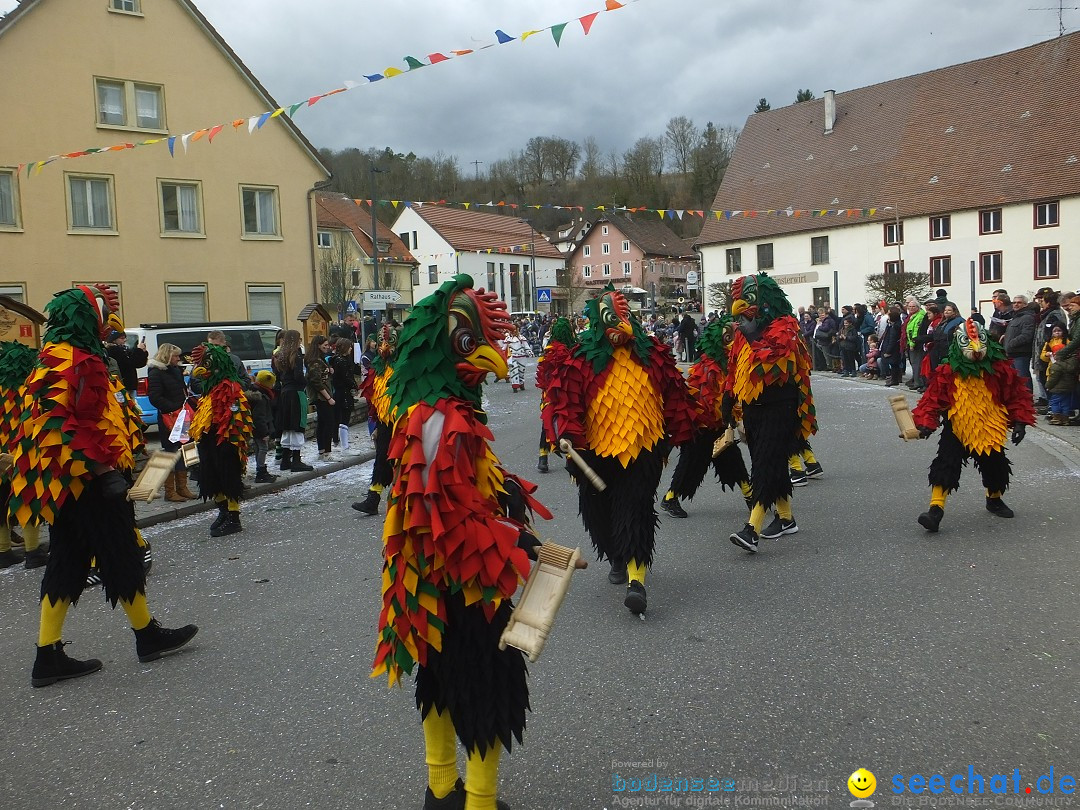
830, 111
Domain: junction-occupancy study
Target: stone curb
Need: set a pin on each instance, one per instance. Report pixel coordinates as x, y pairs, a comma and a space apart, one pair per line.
256, 490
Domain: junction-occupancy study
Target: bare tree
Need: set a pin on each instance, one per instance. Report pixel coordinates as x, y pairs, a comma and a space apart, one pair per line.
335, 276
718, 295
898, 286
682, 138
710, 161
592, 162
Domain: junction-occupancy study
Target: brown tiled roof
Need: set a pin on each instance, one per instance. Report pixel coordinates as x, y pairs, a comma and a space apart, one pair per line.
334, 210
478, 230
651, 235
995, 131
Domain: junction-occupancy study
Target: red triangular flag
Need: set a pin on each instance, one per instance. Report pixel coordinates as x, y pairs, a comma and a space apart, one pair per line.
587, 21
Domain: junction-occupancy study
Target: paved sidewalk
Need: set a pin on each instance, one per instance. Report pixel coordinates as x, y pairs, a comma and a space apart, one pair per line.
361, 451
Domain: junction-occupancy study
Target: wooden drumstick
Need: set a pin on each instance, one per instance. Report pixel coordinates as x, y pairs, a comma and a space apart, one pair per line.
590, 473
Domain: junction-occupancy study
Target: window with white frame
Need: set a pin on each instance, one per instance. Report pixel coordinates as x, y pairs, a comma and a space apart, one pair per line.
941, 271
895, 266
131, 105
626, 246
185, 303
491, 276
259, 210
765, 256
586, 271
607, 269
734, 261
433, 274
325, 240
819, 250
1046, 214
586, 251
1046, 262
894, 233
603, 230
130, 6
9, 199
14, 291
355, 278
605, 248
990, 268
90, 202
415, 275
941, 227
266, 302
181, 205
990, 221
626, 268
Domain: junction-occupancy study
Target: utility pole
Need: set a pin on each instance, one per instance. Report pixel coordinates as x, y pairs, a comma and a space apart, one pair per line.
374, 229
476, 168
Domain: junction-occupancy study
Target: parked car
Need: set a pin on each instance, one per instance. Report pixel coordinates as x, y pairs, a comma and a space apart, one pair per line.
251, 341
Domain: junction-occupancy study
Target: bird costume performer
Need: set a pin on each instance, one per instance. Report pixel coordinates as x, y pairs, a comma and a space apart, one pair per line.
517, 349
71, 439
222, 427
374, 390
560, 344
17, 360
769, 377
977, 396
706, 383
622, 402
455, 544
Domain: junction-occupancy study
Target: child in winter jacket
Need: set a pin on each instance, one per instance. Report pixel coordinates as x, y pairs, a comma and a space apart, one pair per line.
261, 402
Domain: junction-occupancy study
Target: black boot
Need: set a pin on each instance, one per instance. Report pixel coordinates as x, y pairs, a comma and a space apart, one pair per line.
542, 464
52, 665
154, 641
230, 526
998, 507
931, 519
617, 574
370, 504
263, 476
147, 559
222, 516
286, 459
635, 598
298, 465
36, 557
454, 800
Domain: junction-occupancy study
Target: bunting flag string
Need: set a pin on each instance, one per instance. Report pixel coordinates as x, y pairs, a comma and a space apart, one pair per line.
662, 213
256, 122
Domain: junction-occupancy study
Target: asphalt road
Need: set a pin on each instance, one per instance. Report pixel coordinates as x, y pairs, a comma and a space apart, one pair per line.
860, 641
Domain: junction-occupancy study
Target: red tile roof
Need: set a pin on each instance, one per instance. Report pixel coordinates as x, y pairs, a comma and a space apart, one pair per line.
995, 131
478, 230
334, 210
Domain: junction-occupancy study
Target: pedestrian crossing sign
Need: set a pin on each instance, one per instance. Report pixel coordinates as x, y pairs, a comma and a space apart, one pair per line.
543, 296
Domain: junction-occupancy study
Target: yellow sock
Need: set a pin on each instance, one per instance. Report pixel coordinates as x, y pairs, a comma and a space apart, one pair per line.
440, 747
543, 452
482, 779
757, 517
670, 495
635, 572
31, 537
140, 539
377, 488
747, 490
51, 626
938, 496
219, 499
783, 508
137, 611
795, 462
5, 538
808, 456
233, 505
990, 494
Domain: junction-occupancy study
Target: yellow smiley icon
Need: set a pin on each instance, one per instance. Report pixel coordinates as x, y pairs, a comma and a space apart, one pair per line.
861, 783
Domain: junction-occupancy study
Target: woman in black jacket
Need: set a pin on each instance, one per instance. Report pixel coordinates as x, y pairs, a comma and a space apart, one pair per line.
292, 404
889, 362
343, 371
320, 391
167, 392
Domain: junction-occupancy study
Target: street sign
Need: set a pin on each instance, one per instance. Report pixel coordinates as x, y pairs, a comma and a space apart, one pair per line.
543, 296
377, 299
350, 306
691, 279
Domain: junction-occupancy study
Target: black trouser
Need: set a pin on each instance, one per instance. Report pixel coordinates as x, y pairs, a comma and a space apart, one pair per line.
326, 428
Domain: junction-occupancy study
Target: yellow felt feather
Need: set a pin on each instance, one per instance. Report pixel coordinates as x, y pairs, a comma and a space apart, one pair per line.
626, 415
979, 423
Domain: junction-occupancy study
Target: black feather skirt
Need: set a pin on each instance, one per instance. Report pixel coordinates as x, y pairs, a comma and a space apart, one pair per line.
484, 689
220, 470
772, 434
382, 472
694, 459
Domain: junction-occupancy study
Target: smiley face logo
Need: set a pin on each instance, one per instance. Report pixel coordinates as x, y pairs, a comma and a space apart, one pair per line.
862, 783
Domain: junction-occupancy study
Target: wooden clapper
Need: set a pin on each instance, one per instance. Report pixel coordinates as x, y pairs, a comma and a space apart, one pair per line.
904, 420
160, 466
532, 619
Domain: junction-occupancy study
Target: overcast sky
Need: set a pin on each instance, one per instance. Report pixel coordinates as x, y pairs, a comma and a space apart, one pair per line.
710, 60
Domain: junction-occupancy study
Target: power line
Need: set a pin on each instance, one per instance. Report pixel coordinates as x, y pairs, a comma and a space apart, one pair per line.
1061, 9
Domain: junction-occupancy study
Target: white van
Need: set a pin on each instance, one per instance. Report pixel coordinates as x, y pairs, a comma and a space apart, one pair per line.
251, 341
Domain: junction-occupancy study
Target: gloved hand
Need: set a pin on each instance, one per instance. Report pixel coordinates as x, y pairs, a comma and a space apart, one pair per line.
748, 327
1018, 432
727, 408
925, 432
113, 485
528, 542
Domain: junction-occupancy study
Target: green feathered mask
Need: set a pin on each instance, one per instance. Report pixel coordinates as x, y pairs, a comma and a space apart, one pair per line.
611, 324
716, 338
759, 298
17, 360
972, 351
